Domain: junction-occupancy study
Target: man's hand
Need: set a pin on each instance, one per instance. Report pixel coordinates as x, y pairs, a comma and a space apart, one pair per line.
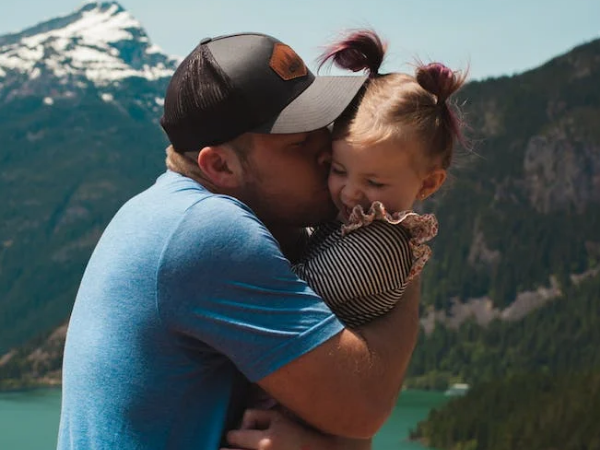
273, 430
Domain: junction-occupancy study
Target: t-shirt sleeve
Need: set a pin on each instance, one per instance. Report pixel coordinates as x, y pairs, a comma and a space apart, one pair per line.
224, 283
366, 262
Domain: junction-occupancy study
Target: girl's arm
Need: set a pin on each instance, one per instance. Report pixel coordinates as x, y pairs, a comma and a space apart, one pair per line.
362, 275
357, 374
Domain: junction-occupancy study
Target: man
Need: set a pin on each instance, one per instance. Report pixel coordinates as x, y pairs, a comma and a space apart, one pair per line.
188, 294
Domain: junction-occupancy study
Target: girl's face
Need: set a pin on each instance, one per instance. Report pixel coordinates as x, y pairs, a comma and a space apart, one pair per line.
387, 172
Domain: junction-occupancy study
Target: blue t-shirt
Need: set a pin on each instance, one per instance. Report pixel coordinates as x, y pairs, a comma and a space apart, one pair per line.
185, 292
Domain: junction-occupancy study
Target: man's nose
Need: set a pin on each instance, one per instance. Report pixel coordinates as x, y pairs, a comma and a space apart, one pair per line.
324, 156
323, 142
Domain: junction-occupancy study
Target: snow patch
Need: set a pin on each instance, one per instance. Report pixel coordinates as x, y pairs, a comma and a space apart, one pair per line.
95, 27
154, 49
59, 69
14, 62
107, 97
31, 52
49, 101
85, 47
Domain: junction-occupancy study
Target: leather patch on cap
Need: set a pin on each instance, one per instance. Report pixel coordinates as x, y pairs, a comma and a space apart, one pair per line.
286, 63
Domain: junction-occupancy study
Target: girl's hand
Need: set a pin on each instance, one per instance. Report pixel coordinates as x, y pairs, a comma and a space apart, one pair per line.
269, 430
273, 430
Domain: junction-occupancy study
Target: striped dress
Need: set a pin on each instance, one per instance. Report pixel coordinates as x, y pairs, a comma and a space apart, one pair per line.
362, 268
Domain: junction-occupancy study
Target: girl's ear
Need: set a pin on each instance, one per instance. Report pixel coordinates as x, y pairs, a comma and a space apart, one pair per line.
432, 182
221, 166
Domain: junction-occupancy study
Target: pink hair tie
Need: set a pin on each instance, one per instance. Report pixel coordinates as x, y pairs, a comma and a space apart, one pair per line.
437, 79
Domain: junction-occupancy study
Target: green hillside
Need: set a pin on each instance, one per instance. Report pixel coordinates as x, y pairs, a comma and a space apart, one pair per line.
563, 337
526, 204
536, 382
528, 412
523, 207
65, 169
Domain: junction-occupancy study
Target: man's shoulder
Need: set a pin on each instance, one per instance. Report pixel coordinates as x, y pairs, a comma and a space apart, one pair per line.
221, 214
178, 213
179, 196
225, 222
202, 220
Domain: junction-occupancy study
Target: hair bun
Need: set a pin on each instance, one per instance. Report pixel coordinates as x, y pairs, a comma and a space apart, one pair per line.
439, 80
360, 50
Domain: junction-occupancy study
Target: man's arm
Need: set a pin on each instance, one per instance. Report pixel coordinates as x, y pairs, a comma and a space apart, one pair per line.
241, 298
348, 385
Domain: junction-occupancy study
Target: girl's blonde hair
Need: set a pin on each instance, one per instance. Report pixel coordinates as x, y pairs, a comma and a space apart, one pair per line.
398, 106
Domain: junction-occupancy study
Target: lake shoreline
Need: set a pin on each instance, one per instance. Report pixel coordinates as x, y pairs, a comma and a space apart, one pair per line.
53, 383
39, 409
25, 386
27, 389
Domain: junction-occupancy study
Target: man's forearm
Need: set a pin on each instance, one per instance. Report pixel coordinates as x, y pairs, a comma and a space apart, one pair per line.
391, 339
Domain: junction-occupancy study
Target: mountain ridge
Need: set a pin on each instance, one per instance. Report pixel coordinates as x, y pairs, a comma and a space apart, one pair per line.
535, 175
75, 150
101, 43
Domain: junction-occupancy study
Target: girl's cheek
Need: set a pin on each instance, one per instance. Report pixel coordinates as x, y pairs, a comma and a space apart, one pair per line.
332, 182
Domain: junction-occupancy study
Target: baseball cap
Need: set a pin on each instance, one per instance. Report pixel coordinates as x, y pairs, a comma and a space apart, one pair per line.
249, 82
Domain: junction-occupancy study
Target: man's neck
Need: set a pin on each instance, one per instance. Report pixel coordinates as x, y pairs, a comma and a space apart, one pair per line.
183, 165
292, 240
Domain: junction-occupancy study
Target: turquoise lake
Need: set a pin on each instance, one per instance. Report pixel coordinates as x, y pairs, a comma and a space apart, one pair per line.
29, 420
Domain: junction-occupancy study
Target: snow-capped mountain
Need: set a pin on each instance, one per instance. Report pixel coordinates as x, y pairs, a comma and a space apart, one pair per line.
80, 100
100, 44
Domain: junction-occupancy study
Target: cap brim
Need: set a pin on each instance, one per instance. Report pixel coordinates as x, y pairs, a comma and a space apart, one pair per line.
317, 107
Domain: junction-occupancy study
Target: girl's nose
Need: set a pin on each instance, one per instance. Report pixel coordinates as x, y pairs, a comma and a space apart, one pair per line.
350, 194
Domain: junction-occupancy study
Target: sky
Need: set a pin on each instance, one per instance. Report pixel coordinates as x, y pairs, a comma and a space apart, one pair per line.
491, 38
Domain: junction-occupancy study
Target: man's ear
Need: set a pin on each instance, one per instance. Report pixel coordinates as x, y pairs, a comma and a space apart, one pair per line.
432, 182
221, 166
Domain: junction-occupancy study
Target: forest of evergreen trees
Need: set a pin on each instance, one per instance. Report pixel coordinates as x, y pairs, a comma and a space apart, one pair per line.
563, 336
525, 412
536, 383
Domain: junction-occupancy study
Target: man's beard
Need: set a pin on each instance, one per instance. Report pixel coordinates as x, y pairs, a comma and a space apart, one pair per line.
275, 211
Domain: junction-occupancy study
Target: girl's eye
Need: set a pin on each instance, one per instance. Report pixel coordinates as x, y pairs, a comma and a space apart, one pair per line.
337, 170
375, 184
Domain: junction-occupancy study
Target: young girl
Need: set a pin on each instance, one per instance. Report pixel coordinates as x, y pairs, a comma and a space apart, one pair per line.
391, 148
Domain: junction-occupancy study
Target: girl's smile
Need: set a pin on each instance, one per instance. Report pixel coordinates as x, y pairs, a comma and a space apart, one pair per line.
385, 172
